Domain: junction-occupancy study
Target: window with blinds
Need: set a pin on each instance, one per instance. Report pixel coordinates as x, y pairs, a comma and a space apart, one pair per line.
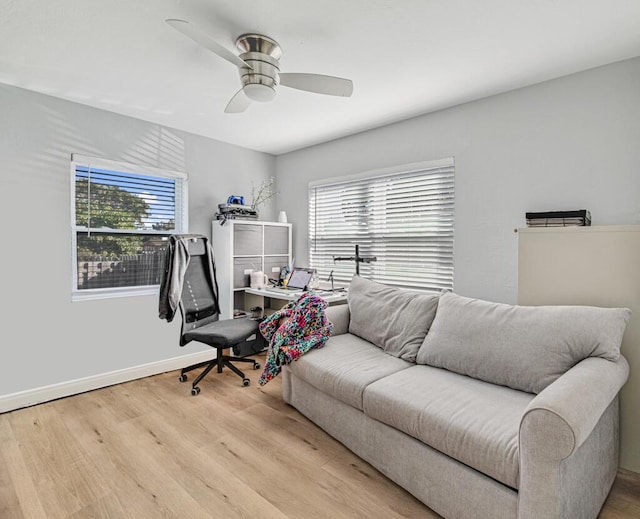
122, 215
404, 218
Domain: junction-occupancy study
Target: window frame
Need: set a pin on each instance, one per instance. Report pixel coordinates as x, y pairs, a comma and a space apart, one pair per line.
372, 175
181, 222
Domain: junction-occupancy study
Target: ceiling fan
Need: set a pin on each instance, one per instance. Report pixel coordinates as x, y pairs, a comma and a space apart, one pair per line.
259, 68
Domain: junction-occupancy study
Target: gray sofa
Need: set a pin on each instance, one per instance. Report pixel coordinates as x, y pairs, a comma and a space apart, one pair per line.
479, 409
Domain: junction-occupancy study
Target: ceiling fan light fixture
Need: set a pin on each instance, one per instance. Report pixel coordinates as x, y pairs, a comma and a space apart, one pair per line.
259, 92
259, 68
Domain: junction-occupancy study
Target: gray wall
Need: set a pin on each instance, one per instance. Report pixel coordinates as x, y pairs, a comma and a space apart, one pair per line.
570, 143
47, 339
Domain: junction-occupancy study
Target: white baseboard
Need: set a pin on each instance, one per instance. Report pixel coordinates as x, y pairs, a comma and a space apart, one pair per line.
43, 394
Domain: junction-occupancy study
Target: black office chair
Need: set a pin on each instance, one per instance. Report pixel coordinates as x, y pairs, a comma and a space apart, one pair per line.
200, 312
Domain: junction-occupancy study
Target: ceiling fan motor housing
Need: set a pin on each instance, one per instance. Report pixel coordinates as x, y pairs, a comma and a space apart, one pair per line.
261, 53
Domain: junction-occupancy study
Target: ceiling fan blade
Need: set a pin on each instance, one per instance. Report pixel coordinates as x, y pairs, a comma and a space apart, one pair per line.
239, 103
333, 86
189, 30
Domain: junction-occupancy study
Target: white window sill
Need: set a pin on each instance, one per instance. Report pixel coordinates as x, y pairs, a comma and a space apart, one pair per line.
110, 293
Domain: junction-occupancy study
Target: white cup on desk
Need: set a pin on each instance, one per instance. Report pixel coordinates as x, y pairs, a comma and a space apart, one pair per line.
259, 280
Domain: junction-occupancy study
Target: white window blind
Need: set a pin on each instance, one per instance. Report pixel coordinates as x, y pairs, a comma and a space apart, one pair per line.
122, 215
405, 218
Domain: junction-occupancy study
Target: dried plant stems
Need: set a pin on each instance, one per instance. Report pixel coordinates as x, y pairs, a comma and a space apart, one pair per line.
263, 193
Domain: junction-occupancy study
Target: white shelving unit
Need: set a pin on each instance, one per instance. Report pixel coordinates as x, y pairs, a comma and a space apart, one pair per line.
242, 247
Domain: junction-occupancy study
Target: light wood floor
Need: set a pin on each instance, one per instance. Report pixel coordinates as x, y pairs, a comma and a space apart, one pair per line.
148, 449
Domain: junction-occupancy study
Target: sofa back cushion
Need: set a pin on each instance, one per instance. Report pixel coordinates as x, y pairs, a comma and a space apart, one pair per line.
522, 347
393, 319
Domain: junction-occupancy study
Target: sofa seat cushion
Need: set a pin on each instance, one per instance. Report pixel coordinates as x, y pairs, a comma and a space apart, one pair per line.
472, 421
345, 366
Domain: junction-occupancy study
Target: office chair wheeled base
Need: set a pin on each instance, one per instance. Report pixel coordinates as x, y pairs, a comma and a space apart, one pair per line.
219, 362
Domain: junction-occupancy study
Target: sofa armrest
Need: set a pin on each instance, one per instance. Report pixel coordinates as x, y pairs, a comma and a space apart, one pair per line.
557, 422
339, 316
575, 402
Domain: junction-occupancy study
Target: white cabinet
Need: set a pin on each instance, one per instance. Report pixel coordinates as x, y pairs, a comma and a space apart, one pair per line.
597, 266
244, 246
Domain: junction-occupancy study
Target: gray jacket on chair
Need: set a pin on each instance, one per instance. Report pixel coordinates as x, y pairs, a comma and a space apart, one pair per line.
175, 265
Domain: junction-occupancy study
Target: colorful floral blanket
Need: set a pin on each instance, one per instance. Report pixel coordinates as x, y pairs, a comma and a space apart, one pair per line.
292, 331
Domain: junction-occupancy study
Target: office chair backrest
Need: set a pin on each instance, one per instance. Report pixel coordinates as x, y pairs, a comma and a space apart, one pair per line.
198, 301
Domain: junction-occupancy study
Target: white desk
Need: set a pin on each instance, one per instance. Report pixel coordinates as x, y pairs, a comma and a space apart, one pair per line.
273, 300
285, 295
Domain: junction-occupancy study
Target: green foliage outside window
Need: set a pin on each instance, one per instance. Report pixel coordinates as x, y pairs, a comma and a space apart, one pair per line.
112, 208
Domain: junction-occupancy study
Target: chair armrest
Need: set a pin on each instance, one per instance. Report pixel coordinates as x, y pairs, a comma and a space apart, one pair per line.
339, 316
571, 406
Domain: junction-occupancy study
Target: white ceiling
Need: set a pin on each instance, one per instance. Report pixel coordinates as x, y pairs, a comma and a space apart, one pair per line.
405, 57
